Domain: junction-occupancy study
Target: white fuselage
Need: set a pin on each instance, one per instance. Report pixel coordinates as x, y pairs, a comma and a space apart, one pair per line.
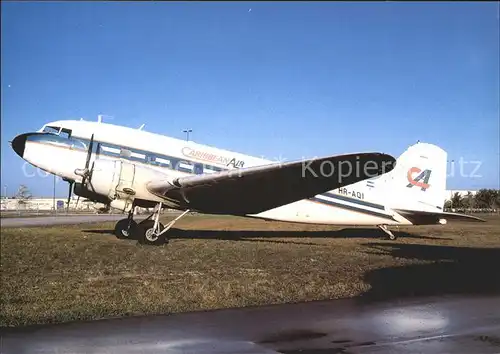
357, 204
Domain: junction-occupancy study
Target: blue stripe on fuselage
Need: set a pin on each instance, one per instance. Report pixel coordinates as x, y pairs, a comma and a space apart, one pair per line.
352, 200
352, 208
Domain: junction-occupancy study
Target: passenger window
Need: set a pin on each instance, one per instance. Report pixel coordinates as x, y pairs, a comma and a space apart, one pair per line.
125, 153
150, 159
184, 166
198, 169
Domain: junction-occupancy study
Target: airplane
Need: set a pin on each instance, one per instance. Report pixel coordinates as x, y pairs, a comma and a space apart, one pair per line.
125, 168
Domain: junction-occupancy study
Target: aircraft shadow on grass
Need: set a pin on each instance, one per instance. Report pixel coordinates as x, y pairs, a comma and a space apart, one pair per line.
449, 271
268, 235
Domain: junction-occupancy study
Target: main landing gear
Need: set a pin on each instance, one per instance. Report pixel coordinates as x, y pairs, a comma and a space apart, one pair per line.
149, 231
389, 233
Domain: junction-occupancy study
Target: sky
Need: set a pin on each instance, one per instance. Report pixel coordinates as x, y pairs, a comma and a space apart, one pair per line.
280, 80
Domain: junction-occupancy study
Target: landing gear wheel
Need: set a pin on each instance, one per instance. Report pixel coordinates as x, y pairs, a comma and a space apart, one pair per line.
124, 231
391, 237
149, 236
388, 232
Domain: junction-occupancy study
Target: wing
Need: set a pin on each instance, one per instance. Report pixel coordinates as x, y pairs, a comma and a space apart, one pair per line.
256, 189
426, 217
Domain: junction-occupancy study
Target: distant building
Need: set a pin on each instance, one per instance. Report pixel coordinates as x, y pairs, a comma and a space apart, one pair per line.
44, 204
47, 204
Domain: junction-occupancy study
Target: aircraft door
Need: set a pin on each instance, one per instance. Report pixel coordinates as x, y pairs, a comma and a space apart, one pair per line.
125, 184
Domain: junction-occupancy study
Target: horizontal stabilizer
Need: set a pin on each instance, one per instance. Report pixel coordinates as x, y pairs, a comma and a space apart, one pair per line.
427, 217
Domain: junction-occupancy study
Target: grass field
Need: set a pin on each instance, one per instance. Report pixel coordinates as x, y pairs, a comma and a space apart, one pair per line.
81, 272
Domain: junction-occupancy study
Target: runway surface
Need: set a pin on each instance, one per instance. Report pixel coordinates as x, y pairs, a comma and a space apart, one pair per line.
427, 325
62, 219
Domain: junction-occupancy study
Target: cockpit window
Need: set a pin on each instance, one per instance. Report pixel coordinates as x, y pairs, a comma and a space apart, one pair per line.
77, 144
53, 130
62, 132
65, 133
58, 140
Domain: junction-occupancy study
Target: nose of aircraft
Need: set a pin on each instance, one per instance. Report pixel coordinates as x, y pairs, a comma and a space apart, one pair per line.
18, 144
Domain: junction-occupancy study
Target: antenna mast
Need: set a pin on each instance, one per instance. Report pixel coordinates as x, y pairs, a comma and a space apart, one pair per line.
101, 116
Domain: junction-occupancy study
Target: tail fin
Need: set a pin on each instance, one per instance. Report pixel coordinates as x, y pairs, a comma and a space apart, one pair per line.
418, 182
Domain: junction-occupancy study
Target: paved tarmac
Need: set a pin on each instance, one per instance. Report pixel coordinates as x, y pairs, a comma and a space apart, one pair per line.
62, 219
426, 325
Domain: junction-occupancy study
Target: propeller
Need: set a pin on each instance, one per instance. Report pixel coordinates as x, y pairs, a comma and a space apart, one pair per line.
85, 173
87, 162
69, 194
77, 200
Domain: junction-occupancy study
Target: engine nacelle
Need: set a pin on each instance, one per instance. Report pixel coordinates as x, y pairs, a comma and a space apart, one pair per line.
117, 183
85, 193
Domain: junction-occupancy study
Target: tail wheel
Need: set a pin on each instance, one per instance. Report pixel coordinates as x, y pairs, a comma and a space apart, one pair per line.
391, 237
148, 234
388, 232
124, 231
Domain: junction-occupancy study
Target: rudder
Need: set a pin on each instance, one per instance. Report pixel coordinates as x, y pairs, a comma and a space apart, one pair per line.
418, 182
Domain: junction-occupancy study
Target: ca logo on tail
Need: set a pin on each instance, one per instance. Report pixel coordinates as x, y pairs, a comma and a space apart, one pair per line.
422, 180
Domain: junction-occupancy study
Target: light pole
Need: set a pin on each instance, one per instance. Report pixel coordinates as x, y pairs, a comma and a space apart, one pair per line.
187, 131
5, 191
452, 174
54, 195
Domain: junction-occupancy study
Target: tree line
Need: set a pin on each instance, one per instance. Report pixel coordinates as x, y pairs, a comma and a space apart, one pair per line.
485, 200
